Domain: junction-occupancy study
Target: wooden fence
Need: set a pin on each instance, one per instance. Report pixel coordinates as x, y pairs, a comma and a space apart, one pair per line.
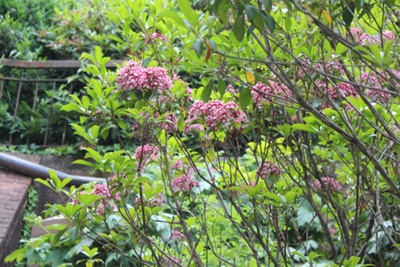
15, 91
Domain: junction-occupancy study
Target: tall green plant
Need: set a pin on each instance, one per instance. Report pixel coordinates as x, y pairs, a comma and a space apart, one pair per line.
284, 155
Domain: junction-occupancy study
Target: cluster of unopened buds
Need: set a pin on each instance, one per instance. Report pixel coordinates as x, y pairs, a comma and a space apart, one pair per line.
217, 115
134, 76
328, 184
267, 169
107, 198
146, 153
155, 35
184, 183
180, 165
176, 235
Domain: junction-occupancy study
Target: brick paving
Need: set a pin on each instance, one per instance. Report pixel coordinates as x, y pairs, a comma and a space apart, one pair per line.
13, 195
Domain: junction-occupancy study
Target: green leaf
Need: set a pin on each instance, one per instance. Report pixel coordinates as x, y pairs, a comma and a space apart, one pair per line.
54, 179
258, 22
253, 262
89, 252
56, 256
94, 155
303, 127
205, 96
242, 189
221, 87
387, 56
390, 2
277, 199
73, 107
269, 20
305, 214
172, 15
87, 200
85, 102
290, 196
16, 255
198, 47
340, 49
84, 162
288, 23
98, 54
88, 56
239, 28
79, 130
86, 241
268, 5
286, 129
44, 182
181, 123
352, 262
250, 11
245, 97
65, 182
348, 13
187, 11
94, 131
312, 256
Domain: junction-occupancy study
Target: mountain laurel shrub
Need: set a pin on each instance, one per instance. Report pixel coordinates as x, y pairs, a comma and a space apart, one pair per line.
267, 135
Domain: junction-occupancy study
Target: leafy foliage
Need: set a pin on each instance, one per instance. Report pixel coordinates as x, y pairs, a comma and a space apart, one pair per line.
302, 171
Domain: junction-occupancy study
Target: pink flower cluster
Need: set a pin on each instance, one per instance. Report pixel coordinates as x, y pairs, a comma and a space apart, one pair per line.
378, 95
170, 124
263, 93
176, 236
217, 115
180, 165
193, 128
157, 200
147, 152
355, 33
172, 262
329, 184
267, 169
134, 76
333, 67
322, 88
378, 80
102, 190
231, 89
144, 154
155, 35
367, 39
184, 183
346, 88
372, 79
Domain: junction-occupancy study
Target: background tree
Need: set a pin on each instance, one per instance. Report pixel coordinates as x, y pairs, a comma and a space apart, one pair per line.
267, 135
